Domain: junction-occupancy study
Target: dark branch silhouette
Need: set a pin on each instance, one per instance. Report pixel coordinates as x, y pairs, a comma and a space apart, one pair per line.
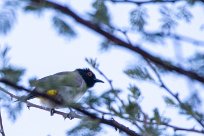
175, 128
1, 125
163, 63
144, 2
109, 122
175, 96
148, 2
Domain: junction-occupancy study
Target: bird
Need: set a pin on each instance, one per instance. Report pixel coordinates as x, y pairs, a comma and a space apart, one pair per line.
64, 87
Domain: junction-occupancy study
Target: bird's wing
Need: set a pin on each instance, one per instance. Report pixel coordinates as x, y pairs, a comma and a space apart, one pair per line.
71, 79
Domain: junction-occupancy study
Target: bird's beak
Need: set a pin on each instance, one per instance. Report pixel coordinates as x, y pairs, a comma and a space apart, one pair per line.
98, 80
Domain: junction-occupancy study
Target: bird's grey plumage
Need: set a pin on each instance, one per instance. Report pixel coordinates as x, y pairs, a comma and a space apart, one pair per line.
70, 87
65, 87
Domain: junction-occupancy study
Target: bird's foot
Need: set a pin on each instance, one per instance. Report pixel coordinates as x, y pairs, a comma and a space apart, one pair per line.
28, 106
71, 115
52, 112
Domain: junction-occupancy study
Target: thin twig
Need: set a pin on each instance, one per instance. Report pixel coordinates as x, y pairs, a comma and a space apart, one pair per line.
119, 42
144, 2
29, 104
112, 123
20, 88
175, 96
107, 79
186, 39
1, 125
110, 84
175, 128
170, 92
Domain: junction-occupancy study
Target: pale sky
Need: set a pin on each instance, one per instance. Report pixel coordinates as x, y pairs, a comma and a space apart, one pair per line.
36, 46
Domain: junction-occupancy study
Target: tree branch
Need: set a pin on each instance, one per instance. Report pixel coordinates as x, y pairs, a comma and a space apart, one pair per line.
18, 87
175, 128
112, 122
175, 96
29, 104
149, 2
186, 39
169, 91
176, 37
1, 126
144, 2
67, 11
109, 122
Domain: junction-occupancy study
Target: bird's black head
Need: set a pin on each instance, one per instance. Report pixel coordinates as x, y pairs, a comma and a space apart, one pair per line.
89, 77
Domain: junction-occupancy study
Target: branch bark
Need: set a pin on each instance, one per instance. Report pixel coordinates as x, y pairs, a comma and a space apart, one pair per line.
149, 1
144, 2
175, 96
163, 63
109, 122
1, 125
175, 128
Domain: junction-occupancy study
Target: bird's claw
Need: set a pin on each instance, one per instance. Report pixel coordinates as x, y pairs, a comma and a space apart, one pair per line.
52, 112
71, 115
28, 106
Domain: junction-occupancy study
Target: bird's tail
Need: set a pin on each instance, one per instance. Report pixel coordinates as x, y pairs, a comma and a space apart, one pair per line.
26, 97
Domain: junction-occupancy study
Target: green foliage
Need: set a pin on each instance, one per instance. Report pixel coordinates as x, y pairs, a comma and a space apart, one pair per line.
138, 18
8, 71
12, 108
139, 72
62, 27
154, 37
123, 104
196, 62
106, 44
34, 8
132, 109
194, 100
157, 116
11, 73
86, 127
169, 101
191, 107
92, 62
186, 109
168, 20
135, 91
152, 130
191, 1
4, 56
91, 99
7, 20
109, 99
101, 14
184, 13
171, 16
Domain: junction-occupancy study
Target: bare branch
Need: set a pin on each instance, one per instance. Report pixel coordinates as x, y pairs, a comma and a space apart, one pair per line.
1, 126
136, 48
144, 2
175, 128
18, 87
186, 39
29, 104
112, 123
176, 36
149, 1
175, 96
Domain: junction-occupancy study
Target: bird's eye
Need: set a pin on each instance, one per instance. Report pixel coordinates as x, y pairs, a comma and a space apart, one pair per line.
89, 74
